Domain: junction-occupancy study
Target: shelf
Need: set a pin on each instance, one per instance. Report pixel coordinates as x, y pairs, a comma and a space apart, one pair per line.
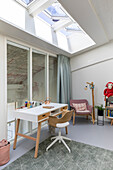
108, 107
108, 117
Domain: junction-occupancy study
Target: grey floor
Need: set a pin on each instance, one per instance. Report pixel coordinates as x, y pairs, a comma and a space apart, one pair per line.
84, 131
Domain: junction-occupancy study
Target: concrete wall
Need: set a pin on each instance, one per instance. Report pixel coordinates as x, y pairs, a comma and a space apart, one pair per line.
95, 65
3, 89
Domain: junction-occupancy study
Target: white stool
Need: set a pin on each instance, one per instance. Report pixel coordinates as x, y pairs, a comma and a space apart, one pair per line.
59, 137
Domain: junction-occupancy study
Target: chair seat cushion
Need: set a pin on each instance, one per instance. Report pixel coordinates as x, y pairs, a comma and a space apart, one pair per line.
83, 112
62, 125
79, 106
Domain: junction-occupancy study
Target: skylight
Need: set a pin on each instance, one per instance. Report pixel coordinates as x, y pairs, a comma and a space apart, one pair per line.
27, 1
65, 27
53, 14
73, 27
55, 10
47, 19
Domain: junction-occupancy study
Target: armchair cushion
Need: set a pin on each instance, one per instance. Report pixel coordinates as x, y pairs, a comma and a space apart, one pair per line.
83, 112
79, 106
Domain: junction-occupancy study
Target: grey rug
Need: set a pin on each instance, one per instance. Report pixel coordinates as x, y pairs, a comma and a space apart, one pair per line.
82, 157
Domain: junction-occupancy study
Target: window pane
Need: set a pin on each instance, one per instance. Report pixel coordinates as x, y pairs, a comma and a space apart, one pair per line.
27, 1
53, 78
17, 77
17, 83
55, 10
38, 76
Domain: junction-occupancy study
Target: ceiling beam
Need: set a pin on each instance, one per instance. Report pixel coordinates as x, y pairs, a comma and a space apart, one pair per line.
38, 6
62, 24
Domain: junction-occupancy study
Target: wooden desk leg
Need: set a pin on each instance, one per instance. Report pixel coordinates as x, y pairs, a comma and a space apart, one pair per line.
66, 130
74, 118
37, 140
17, 127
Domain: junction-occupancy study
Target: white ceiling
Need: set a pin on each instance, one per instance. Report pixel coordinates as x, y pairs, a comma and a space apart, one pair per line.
94, 16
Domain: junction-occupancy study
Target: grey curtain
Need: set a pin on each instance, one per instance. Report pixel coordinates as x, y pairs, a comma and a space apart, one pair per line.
63, 80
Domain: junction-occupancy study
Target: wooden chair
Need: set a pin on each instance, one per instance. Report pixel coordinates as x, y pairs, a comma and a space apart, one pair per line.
62, 122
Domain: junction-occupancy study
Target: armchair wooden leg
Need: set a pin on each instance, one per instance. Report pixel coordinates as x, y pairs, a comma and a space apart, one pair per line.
74, 117
93, 119
87, 117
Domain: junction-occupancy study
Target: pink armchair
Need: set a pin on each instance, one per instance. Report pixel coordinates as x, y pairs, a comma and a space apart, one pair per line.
87, 112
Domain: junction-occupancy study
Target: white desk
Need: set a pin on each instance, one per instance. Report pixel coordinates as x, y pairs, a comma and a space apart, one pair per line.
37, 114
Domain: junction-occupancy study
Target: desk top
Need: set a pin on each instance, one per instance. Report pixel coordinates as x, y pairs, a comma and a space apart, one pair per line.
32, 114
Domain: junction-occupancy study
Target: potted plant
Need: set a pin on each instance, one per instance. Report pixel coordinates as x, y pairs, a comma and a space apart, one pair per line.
100, 110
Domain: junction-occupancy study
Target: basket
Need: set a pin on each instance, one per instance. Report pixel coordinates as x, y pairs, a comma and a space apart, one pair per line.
5, 154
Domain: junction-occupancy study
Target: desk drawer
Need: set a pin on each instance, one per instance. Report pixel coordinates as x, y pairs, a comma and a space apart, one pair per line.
64, 108
41, 117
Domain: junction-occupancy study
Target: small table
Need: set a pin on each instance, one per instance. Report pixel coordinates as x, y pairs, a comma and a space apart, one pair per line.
37, 114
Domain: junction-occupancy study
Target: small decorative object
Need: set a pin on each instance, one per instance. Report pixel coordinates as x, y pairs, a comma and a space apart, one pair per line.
109, 90
33, 104
47, 101
85, 87
26, 102
100, 115
28, 105
36, 104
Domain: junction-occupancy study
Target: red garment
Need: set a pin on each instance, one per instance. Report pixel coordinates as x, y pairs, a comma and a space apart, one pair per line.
108, 92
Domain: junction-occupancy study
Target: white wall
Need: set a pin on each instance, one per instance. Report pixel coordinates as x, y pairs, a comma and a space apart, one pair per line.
95, 65
3, 89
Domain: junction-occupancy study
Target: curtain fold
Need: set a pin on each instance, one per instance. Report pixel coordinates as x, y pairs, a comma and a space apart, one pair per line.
63, 80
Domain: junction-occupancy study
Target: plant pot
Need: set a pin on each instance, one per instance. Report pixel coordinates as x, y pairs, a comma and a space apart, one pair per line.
100, 112
100, 117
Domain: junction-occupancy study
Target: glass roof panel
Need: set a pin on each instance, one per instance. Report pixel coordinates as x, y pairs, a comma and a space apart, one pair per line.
73, 27
66, 33
49, 20
27, 1
55, 10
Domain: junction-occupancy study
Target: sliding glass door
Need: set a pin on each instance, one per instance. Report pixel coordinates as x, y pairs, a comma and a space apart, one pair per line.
38, 76
17, 83
53, 78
